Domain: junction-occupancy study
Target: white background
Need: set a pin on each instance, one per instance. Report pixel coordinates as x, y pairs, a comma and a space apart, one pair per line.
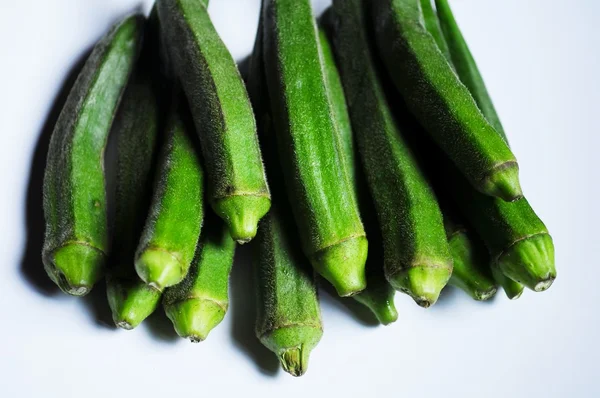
540, 59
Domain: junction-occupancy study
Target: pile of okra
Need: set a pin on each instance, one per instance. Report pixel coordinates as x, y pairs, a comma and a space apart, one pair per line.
360, 147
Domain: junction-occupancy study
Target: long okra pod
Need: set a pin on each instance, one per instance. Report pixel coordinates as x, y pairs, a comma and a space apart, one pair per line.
416, 253
321, 197
236, 180
76, 239
379, 294
136, 127
199, 303
432, 24
440, 101
288, 317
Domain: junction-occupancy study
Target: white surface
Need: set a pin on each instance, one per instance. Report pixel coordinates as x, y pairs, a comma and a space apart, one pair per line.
540, 59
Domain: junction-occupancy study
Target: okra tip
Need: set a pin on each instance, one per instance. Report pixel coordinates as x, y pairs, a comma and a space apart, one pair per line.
423, 283
294, 360
159, 268
380, 301
530, 262
131, 302
75, 267
484, 295
386, 314
242, 214
194, 318
293, 344
343, 265
503, 182
512, 289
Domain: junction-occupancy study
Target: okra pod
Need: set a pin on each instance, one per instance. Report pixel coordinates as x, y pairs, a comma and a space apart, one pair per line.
288, 314
432, 24
471, 272
379, 295
236, 181
170, 236
324, 207
199, 303
76, 238
440, 101
513, 289
417, 259
137, 127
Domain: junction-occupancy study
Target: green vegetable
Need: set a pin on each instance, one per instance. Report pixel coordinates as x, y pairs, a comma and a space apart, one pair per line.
465, 65
168, 242
513, 289
136, 127
76, 239
320, 193
237, 185
199, 303
432, 24
416, 254
379, 295
441, 103
471, 271
288, 314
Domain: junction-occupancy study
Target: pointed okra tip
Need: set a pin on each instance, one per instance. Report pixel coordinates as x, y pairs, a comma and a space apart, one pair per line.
194, 318
343, 265
159, 268
294, 360
242, 213
530, 262
503, 182
130, 301
75, 267
386, 314
380, 301
423, 283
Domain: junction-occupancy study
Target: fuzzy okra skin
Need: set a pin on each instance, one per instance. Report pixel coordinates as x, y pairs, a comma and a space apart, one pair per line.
76, 238
417, 259
471, 272
465, 64
440, 101
199, 303
288, 313
432, 24
169, 238
236, 180
321, 197
379, 294
136, 127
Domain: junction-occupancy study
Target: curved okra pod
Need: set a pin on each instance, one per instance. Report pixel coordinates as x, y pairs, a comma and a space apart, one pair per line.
236, 182
136, 127
417, 259
379, 294
471, 272
199, 303
76, 239
324, 207
168, 241
440, 101
288, 314
465, 65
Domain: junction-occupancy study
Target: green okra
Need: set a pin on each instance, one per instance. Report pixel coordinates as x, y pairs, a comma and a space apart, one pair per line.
432, 24
440, 101
199, 303
417, 259
513, 289
288, 314
136, 126
168, 242
76, 238
379, 294
324, 207
465, 65
471, 272
236, 181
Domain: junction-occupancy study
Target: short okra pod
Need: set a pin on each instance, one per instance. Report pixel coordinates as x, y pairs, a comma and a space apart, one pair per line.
236, 181
76, 239
137, 128
199, 303
440, 101
169, 238
417, 259
321, 197
379, 294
